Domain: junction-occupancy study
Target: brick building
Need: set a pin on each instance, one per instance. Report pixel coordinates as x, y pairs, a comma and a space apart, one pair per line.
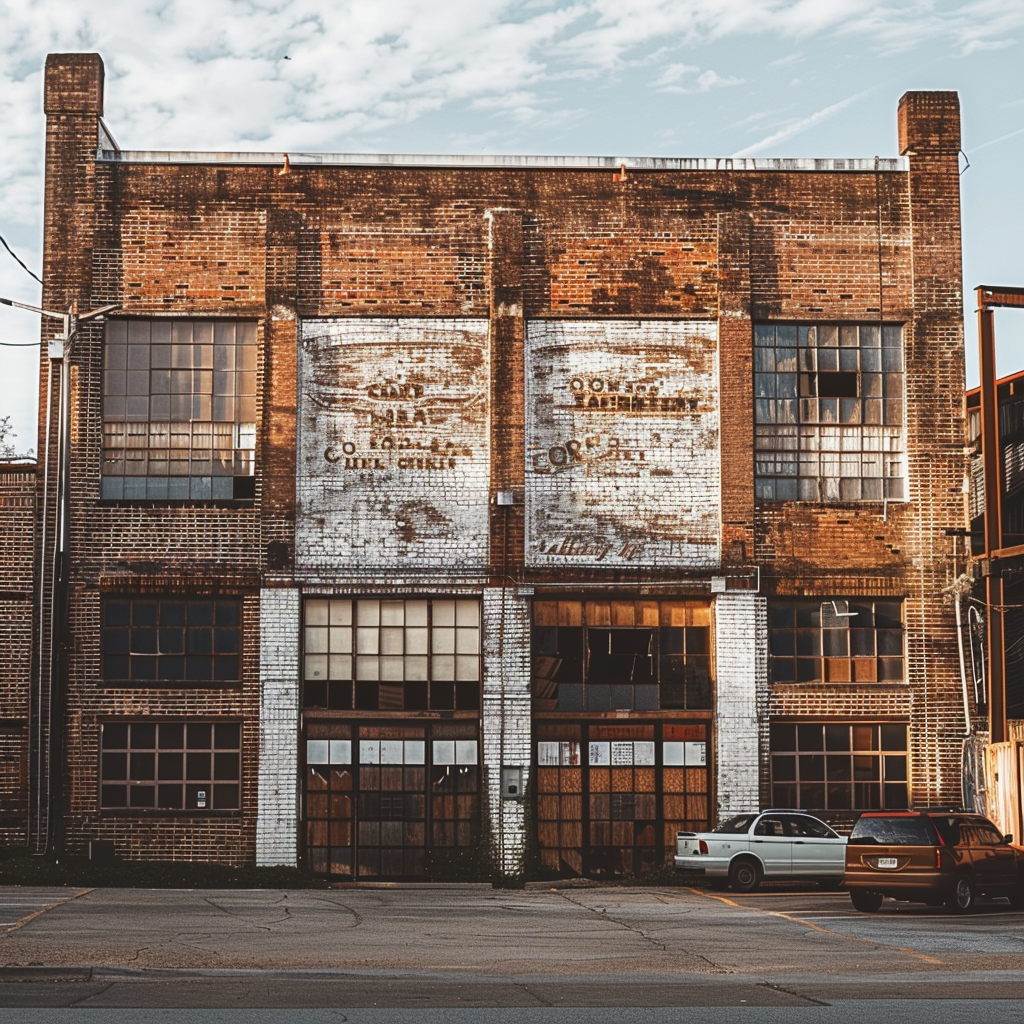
17, 579
441, 516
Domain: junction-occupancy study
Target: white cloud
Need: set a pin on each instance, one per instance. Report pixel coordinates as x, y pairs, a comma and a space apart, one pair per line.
711, 79
211, 74
981, 45
676, 79
787, 61
1001, 138
673, 74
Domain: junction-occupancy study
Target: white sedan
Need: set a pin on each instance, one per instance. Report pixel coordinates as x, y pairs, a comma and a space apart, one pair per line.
775, 845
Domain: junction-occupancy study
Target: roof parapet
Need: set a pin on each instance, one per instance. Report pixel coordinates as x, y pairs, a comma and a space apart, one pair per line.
510, 161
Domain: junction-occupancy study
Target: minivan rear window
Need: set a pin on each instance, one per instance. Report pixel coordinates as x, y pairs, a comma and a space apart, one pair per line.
910, 831
948, 829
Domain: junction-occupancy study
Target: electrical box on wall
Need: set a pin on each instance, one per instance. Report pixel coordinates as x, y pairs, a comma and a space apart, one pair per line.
511, 783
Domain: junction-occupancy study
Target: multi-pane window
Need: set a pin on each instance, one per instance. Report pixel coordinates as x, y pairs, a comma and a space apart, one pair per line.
609, 804
13, 769
171, 766
828, 412
839, 767
392, 655
611, 655
179, 410
391, 801
836, 641
171, 641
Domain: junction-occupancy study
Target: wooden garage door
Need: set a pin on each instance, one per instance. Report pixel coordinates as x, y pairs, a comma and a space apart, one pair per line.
610, 797
391, 802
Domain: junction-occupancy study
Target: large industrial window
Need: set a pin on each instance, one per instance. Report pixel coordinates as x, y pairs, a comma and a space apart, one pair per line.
399, 655
836, 641
828, 412
172, 766
179, 410
839, 767
629, 655
171, 641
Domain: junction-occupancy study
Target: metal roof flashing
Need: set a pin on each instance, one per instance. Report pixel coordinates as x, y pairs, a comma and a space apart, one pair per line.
510, 161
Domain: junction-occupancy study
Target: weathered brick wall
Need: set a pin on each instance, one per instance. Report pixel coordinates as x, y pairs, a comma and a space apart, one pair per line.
930, 136
901, 549
17, 587
227, 836
518, 247
141, 548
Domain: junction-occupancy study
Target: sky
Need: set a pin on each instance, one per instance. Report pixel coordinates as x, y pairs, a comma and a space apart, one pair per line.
788, 78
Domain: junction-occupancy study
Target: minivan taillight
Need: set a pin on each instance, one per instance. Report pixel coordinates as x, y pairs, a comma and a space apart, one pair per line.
703, 847
938, 858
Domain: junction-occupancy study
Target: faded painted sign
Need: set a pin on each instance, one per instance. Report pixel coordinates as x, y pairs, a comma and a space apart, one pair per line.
622, 460
394, 455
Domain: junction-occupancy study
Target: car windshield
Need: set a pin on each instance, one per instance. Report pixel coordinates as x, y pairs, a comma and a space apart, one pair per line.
909, 831
738, 824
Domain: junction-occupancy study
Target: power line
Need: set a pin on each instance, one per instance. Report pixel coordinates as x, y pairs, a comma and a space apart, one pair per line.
19, 344
18, 260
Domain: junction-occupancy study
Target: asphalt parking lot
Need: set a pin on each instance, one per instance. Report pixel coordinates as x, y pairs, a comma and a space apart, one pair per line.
422, 949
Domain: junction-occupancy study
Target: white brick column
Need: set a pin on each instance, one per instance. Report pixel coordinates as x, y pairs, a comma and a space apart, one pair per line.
506, 718
278, 806
741, 675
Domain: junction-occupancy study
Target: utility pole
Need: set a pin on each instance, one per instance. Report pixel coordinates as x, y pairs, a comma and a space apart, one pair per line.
50, 669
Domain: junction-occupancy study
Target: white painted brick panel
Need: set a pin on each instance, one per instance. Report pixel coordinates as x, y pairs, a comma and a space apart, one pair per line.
393, 447
506, 717
622, 443
278, 803
741, 656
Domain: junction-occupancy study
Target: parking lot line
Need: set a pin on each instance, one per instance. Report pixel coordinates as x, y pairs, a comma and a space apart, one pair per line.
21, 922
816, 927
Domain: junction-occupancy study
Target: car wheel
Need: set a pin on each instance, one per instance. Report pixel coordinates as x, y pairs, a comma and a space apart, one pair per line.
962, 899
866, 902
745, 875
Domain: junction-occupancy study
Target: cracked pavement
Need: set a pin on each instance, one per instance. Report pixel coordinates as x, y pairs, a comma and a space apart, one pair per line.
476, 946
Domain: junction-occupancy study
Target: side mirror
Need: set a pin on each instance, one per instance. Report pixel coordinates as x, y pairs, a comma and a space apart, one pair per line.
1007, 839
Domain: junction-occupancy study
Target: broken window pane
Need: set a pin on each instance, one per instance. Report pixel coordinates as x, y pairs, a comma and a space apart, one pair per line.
838, 388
